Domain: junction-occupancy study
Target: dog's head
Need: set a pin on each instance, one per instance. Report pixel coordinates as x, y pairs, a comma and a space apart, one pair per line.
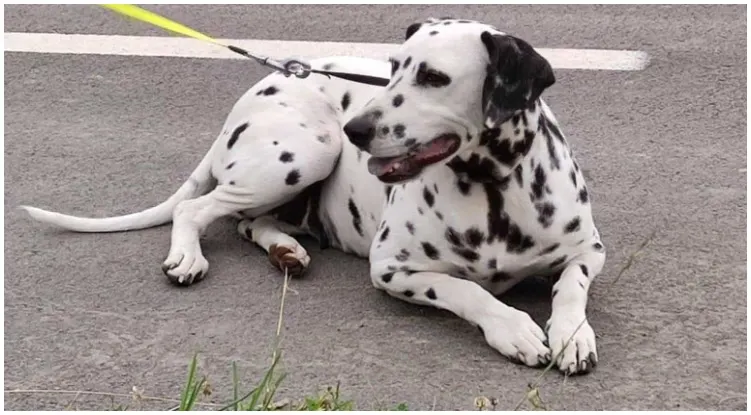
450, 80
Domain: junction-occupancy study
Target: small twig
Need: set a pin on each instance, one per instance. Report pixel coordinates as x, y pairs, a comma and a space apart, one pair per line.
632, 258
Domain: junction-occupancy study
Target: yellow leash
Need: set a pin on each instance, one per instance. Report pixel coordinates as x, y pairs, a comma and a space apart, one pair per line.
288, 67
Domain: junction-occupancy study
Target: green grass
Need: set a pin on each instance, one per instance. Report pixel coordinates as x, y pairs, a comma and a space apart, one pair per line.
262, 397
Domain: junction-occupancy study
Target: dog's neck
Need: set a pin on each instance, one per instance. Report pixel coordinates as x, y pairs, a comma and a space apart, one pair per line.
502, 147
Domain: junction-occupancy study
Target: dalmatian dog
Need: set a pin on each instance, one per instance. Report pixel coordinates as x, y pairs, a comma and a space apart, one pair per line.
454, 180
484, 190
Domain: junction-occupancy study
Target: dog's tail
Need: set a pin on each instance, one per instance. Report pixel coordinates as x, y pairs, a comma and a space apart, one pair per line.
197, 184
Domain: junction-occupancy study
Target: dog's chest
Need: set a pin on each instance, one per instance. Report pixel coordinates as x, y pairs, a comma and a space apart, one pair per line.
489, 233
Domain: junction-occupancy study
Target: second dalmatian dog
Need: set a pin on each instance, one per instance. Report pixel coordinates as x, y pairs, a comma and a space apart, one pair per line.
455, 181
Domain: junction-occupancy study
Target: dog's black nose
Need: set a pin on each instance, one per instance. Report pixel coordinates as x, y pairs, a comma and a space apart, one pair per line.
360, 131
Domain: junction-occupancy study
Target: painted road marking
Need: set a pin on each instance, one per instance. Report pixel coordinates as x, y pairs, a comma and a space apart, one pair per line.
588, 59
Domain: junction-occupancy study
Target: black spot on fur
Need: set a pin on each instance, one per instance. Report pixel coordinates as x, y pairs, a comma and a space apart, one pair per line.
550, 249
394, 66
466, 253
583, 195
384, 234
410, 228
538, 185
572, 175
229, 166
573, 225
476, 169
387, 189
303, 125
598, 246
236, 134
428, 196
275, 143
286, 157
407, 62
231, 182
410, 142
268, 91
433, 33
356, 219
328, 66
581, 285
408, 293
518, 175
500, 276
545, 212
584, 269
439, 215
435, 187
453, 237
385, 130
497, 219
430, 251
399, 130
474, 237
420, 211
558, 262
431, 294
464, 187
293, 177
493, 263
346, 100
398, 100
402, 256
387, 277
324, 138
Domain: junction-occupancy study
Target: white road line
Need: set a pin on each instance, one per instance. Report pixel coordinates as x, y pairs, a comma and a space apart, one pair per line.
592, 59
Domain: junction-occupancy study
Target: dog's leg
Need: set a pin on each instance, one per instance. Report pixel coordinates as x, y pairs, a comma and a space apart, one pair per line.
274, 237
510, 331
185, 262
571, 337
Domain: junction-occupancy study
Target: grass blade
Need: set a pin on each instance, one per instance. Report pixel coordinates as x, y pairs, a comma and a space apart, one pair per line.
235, 385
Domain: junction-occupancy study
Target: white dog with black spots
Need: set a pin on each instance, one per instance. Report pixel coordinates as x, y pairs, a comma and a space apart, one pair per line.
454, 180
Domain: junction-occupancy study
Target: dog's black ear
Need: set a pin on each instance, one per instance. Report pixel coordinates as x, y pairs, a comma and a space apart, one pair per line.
517, 76
414, 27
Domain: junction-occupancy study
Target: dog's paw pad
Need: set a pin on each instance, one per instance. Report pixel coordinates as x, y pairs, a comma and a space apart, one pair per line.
294, 259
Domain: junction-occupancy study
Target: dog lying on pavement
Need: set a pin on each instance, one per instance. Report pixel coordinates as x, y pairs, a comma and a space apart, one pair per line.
454, 180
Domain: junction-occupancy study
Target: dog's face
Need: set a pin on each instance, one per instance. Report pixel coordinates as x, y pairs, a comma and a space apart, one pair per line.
449, 79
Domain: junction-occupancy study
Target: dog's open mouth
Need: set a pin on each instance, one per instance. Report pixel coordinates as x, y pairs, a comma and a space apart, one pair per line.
407, 166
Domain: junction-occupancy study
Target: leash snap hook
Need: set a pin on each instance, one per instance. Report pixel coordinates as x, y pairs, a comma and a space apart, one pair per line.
296, 67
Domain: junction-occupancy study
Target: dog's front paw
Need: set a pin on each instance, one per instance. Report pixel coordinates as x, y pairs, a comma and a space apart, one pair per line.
516, 336
185, 265
572, 342
292, 257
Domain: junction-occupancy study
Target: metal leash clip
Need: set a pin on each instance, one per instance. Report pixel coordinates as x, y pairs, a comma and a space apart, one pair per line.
297, 67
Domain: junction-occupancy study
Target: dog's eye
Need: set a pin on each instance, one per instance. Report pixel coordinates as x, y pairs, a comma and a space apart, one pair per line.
431, 77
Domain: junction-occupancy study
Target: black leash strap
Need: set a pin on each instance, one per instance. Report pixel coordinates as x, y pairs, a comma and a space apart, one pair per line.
302, 69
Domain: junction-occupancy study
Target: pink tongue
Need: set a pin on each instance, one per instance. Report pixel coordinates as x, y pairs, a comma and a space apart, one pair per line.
381, 166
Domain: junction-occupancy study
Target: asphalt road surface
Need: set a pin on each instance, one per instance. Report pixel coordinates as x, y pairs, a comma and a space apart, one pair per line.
664, 150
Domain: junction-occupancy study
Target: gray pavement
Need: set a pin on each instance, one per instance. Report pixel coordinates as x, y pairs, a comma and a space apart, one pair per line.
665, 150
